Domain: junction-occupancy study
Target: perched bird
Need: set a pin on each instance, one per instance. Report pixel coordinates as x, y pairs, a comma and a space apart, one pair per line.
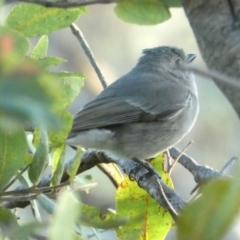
143, 113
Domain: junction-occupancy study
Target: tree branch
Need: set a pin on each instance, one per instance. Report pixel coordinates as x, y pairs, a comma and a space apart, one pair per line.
149, 182
78, 34
219, 78
63, 3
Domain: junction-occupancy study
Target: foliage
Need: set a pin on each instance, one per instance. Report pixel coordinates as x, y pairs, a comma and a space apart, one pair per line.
143, 224
212, 213
33, 97
145, 12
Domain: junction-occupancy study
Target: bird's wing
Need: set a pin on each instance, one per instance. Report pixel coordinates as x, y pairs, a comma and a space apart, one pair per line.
166, 102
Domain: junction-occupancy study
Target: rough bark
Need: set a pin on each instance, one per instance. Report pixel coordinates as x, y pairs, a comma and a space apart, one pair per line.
216, 25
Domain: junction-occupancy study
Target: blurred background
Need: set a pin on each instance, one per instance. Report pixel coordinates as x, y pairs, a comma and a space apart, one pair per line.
117, 46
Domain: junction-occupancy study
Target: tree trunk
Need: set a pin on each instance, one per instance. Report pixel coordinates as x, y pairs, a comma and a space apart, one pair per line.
216, 25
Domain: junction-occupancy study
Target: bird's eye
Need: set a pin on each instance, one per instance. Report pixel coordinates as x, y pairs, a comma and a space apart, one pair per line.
178, 62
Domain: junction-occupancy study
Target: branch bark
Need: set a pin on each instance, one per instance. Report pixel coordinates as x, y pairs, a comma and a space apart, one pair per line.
63, 3
149, 182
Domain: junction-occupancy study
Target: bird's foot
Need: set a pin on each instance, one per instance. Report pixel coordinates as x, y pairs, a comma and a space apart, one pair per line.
147, 166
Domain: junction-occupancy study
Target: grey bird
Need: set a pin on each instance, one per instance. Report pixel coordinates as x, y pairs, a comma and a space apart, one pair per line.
143, 113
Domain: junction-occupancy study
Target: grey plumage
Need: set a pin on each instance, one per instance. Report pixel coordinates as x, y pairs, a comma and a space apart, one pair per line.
144, 112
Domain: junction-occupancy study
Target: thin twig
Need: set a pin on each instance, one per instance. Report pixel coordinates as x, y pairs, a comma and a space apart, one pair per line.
167, 160
216, 76
228, 165
15, 178
78, 34
34, 189
21, 198
200, 173
195, 188
170, 208
111, 171
176, 160
223, 172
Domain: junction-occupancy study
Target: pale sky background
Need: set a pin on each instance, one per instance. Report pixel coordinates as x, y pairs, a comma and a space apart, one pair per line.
117, 46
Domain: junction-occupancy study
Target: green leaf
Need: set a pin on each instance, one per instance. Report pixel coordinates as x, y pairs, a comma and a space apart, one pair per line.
40, 49
40, 158
50, 61
36, 137
58, 164
34, 20
171, 3
63, 218
8, 223
24, 231
7, 217
13, 48
92, 217
58, 136
73, 167
39, 54
46, 62
147, 218
142, 12
50, 206
27, 96
13, 151
211, 215
11, 228
46, 203
70, 86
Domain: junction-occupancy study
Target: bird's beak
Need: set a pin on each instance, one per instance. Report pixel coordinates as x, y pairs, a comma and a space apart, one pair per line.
191, 57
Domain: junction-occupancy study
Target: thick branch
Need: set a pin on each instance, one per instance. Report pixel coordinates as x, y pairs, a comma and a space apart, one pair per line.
151, 184
200, 173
